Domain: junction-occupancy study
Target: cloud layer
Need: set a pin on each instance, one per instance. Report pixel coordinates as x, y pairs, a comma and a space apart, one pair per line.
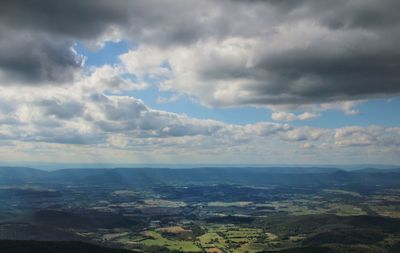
225, 53
279, 53
88, 117
297, 58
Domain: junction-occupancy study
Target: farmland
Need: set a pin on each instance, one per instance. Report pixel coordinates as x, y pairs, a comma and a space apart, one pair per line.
227, 217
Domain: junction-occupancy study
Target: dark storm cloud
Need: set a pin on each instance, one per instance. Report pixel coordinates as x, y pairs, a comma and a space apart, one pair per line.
319, 52
363, 62
340, 13
33, 58
37, 36
359, 14
356, 57
323, 74
77, 18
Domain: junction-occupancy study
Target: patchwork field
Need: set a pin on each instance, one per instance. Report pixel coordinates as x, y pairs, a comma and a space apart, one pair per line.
209, 217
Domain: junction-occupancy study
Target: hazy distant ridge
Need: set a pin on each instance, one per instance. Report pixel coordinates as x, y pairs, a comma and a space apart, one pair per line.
147, 177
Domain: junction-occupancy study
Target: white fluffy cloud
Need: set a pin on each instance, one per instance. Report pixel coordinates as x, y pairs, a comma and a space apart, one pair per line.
297, 58
224, 53
306, 56
92, 117
287, 116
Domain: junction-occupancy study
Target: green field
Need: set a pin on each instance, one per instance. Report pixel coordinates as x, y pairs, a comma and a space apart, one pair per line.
156, 239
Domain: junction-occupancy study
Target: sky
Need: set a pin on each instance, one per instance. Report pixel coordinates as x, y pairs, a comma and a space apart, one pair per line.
200, 82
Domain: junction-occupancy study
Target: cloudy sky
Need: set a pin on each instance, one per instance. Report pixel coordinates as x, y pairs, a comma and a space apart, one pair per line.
210, 81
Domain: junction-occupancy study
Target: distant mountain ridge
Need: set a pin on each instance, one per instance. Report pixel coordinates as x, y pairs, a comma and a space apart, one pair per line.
147, 177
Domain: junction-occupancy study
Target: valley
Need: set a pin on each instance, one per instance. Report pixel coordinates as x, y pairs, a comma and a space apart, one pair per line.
265, 211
